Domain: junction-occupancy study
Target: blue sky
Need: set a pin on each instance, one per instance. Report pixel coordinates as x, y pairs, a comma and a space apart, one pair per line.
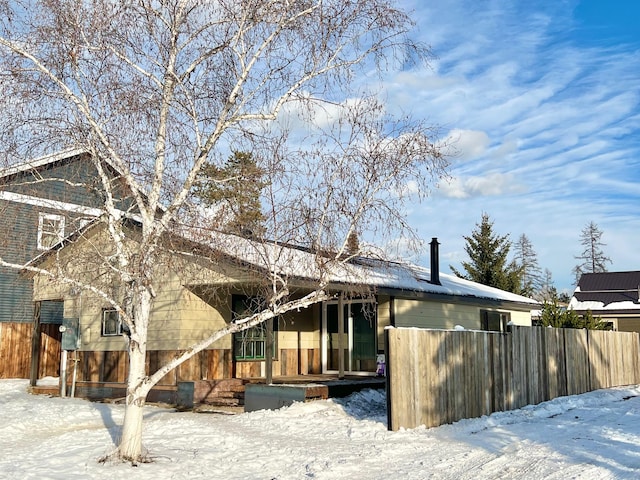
543, 100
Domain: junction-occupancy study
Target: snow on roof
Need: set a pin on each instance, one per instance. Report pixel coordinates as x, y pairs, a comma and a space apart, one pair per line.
607, 291
301, 263
582, 301
453, 285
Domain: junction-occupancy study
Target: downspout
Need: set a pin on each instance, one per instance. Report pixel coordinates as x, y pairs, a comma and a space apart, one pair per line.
392, 311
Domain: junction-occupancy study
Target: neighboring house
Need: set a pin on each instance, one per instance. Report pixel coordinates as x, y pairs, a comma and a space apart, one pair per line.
612, 296
199, 294
41, 202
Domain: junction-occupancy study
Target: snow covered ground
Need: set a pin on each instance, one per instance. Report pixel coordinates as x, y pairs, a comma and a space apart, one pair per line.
595, 435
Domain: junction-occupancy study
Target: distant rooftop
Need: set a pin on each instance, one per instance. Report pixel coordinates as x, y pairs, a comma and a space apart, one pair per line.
607, 291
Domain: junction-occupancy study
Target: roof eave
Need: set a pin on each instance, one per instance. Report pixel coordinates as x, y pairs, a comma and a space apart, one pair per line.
42, 161
455, 298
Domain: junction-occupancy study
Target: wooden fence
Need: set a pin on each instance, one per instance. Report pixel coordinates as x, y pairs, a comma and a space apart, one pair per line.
15, 350
437, 376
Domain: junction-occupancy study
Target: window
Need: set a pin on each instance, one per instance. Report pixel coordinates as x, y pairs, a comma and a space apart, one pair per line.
494, 321
251, 344
50, 230
111, 324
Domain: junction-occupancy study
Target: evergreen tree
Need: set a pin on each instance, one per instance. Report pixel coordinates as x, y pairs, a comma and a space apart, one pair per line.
488, 262
554, 315
234, 189
557, 316
526, 260
592, 259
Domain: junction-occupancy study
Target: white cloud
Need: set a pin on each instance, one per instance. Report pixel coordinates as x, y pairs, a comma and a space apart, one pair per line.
481, 186
468, 144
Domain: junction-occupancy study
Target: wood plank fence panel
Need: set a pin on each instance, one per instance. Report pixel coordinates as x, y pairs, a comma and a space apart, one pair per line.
534, 386
519, 368
401, 384
631, 354
577, 363
598, 361
453, 356
483, 373
438, 376
501, 385
447, 397
15, 350
614, 361
555, 366
467, 375
426, 380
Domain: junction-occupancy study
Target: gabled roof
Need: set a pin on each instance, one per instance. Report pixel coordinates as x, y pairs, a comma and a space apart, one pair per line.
607, 291
41, 161
50, 160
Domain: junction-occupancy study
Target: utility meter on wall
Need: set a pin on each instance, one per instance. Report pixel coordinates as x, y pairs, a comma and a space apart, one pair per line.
70, 329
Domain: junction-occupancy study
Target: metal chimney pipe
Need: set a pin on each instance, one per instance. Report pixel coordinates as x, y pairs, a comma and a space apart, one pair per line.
435, 261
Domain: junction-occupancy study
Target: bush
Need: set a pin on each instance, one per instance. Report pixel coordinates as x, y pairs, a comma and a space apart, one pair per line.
558, 316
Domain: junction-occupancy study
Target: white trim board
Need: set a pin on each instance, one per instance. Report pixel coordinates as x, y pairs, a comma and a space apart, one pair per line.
52, 204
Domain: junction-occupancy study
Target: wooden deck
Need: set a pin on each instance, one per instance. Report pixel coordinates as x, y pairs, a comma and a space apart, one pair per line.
336, 388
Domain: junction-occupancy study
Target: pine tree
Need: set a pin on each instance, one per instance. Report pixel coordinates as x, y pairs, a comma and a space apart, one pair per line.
592, 259
234, 189
488, 263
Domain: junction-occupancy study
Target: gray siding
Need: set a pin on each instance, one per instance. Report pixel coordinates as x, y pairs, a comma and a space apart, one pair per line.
19, 241
18, 245
71, 180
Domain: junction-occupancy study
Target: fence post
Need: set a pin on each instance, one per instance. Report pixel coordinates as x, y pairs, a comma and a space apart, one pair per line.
387, 369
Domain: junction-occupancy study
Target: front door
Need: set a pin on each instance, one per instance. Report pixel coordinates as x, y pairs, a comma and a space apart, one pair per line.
357, 340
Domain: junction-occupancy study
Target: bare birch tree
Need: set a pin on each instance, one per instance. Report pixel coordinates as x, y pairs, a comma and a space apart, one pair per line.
527, 259
159, 89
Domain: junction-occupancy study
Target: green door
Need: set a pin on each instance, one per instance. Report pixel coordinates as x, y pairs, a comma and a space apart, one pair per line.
358, 338
363, 352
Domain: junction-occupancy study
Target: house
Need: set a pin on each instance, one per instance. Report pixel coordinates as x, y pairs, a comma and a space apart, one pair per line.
219, 277
612, 296
41, 202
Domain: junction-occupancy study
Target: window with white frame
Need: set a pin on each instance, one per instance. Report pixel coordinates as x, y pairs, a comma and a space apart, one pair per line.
50, 230
111, 324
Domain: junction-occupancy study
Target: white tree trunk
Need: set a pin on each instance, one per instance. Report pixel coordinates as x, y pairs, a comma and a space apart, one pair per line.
138, 386
130, 447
